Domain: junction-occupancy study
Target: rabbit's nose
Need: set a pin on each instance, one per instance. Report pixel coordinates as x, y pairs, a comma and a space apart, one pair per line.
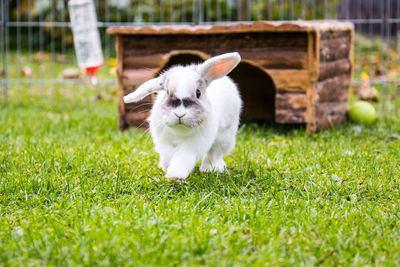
180, 116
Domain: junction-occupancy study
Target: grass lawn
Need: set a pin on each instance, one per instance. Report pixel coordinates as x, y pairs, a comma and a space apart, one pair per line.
76, 191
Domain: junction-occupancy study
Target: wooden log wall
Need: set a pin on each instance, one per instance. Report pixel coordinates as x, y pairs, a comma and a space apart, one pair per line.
286, 77
335, 72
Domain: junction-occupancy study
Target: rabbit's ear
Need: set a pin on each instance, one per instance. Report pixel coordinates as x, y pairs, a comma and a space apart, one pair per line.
145, 89
219, 66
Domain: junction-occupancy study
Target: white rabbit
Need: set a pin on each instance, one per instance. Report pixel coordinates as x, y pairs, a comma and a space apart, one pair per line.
195, 115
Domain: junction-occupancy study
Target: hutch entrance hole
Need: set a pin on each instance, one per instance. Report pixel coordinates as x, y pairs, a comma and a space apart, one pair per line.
257, 90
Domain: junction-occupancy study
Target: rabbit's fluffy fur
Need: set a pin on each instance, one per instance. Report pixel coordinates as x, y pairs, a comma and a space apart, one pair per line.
195, 115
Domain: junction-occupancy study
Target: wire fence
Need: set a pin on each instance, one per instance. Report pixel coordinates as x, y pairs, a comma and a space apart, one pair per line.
36, 43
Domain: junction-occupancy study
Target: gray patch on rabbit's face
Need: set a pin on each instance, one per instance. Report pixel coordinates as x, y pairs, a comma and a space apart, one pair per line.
195, 109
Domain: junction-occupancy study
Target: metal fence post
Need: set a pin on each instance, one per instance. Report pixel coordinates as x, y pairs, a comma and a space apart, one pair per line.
200, 19
4, 48
387, 21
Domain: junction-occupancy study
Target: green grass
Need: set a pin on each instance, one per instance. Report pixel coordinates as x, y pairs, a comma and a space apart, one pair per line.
76, 191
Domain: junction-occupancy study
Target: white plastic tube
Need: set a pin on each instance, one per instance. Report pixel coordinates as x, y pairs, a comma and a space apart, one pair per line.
86, 35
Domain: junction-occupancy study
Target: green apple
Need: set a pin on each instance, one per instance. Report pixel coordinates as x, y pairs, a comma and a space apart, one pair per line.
362, 112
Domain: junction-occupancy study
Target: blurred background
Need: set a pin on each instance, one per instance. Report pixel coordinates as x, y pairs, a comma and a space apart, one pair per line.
36, 44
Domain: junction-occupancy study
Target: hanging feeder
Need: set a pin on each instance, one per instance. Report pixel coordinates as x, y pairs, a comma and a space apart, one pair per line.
86, 36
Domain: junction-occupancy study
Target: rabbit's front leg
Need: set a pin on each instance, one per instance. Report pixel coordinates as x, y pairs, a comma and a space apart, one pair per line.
165, 153
164, 161
181, 165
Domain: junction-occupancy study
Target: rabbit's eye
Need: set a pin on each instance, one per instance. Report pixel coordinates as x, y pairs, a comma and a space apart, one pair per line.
198, 93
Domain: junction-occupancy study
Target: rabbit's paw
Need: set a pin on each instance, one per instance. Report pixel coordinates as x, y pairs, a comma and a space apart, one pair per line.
176, 175
206, 166
218, 166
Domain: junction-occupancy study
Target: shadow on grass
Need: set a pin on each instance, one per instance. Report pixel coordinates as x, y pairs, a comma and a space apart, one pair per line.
233, 182
271, 127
